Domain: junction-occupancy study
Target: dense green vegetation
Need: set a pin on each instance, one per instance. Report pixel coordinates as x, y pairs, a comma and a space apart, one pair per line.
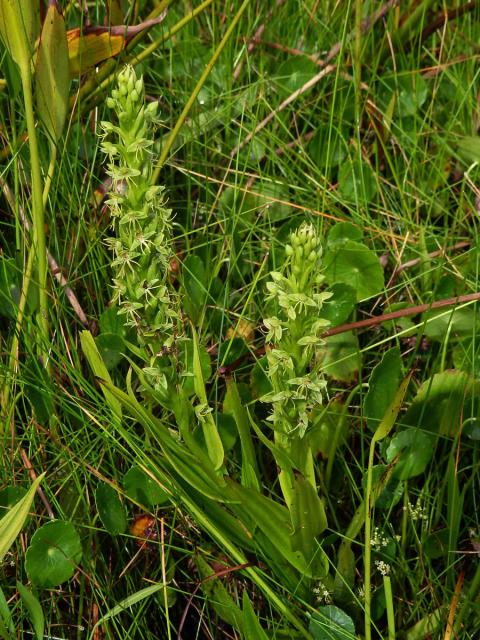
238, 286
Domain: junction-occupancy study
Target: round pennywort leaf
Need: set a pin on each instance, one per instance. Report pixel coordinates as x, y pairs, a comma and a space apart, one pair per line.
53, 554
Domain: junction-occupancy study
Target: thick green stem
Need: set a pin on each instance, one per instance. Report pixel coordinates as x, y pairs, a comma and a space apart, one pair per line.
39, 244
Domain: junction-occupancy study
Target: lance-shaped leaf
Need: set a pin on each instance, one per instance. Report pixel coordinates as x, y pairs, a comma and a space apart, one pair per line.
210, 431
19, 23
34, 609
309, 521
12, 523
52, 74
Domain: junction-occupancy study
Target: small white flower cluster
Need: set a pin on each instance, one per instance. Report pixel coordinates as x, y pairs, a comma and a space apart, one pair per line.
322, 594
416, 512
382, 567
378, 539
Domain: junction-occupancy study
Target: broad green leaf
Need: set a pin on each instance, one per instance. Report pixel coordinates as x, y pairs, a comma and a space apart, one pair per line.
345, 574
415, 449
52, 81
273, 520
99, 369
111, 348
331, 623
436, 545
9, 496
342, 232
341, 356
252, 629
356, 265
19, 23
340, 306
390, 416
443, 402
53, 554
140, 487
458, 323
34, 610
391, 493
412, 93
382, 386
309, 521
11, 524
110, 509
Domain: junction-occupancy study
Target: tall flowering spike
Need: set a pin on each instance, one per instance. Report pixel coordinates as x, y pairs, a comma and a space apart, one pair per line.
141, 222
294, 335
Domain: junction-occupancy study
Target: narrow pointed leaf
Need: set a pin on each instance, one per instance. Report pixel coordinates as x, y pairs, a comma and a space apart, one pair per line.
249, 462
391, 414
252, 629
12, 523
210, 431
99, 369
34, 609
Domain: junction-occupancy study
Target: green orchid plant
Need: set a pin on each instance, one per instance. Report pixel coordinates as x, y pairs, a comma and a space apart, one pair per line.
189, 460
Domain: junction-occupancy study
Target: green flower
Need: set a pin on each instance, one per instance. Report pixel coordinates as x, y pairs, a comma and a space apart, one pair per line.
141, 222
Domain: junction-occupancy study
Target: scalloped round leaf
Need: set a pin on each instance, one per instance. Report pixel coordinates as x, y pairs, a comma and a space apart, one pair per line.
143, 489
110, 509
415, 449
340, 306
356, 265
331, 623
53, 554
342, 232
341, 356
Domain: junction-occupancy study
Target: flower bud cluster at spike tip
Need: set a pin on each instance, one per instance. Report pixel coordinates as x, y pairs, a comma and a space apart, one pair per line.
294, 334
142, 242
304, 251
